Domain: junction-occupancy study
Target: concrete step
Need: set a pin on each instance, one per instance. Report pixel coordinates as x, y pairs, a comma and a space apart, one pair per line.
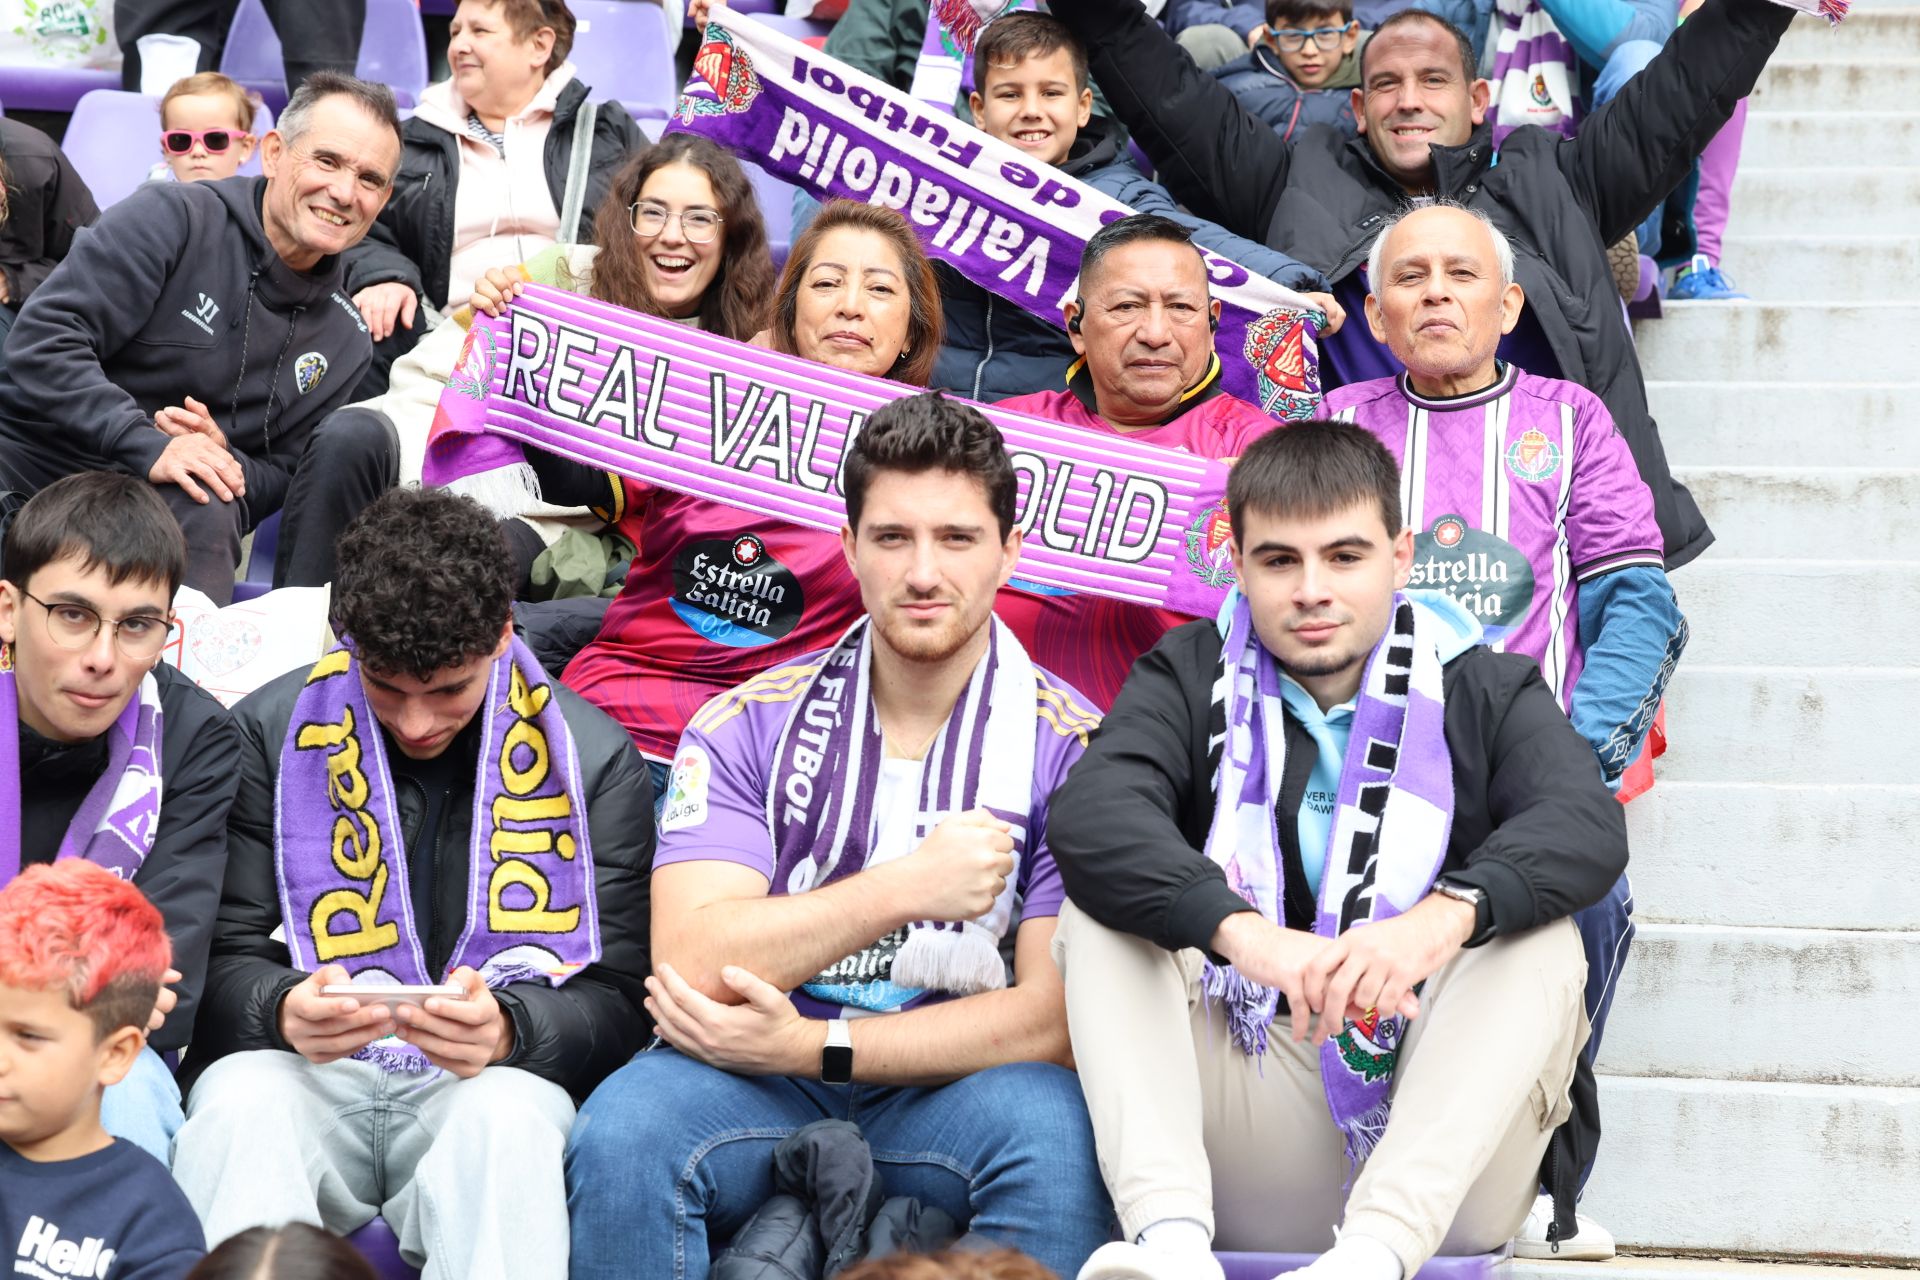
1792, 1169
1795, 725
1830, 139
1743, 853
1883, 200
1852, 84
1668, 1267
1788, 424
1822, 513
1835, 268
1719, 1003
1783, 342
1868, 32
1848, 612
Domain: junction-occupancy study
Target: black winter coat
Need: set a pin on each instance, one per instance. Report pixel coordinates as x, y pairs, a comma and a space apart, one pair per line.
412, 242
199, 761
46, 203
1323, 197
575, 1034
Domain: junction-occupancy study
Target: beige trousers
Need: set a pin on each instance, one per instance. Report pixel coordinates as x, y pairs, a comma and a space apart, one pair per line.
1187, 1126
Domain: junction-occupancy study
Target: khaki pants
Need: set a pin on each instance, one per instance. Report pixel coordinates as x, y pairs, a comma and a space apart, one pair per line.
1187, 1126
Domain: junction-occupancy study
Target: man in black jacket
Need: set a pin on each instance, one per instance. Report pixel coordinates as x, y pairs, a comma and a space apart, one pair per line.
196, 334
91, 565
474, 823
1344, 813
1323, 196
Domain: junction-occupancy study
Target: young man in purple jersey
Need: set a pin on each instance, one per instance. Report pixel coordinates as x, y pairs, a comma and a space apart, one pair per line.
848, 844
1527, 508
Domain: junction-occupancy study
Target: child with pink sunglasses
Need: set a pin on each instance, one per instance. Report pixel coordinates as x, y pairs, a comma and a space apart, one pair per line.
206, 128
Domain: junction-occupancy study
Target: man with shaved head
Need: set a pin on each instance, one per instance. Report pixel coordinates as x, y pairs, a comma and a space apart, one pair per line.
1526, 509
1322, 196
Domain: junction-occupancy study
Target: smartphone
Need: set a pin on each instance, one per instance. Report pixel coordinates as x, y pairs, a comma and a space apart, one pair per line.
414, 995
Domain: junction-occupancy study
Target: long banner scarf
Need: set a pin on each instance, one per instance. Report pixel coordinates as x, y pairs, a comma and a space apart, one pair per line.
115, 824
1387, 843
1536, 75
699, 414
826, 771
340, 854
978, 204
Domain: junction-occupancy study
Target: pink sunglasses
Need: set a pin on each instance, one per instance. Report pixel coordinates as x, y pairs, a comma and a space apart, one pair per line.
179, 142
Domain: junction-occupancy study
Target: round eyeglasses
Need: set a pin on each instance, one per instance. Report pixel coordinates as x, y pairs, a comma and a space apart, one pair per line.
697, 225
74, 626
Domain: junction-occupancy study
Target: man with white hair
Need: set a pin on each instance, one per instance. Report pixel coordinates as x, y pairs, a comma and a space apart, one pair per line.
1527, 509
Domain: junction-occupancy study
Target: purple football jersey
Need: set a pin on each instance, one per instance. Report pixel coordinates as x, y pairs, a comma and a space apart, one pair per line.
1515, 494
716, 811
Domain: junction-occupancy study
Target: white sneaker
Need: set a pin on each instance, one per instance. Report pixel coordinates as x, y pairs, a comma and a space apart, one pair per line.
1118, 1261
1590, 1242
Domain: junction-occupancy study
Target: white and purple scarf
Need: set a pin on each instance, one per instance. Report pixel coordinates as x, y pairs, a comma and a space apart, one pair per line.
1387, 843
340, 854
1536, 75
826, 771
115, 824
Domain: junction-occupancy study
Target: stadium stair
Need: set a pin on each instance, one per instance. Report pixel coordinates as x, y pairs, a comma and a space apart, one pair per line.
1761, 1074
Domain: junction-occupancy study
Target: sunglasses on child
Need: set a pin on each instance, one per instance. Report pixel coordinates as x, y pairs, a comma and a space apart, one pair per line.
180, 141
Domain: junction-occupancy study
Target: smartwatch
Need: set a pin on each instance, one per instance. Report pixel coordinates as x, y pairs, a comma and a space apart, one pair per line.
1475, 897
836, 1055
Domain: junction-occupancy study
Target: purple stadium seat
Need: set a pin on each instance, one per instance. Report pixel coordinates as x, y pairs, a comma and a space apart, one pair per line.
1264, 1266
624, 51
113, 140
393, 51
51, 88
776, 208
377, 1245
259, 581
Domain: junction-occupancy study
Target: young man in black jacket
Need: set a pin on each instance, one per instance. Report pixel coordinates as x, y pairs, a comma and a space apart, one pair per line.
1323, 195
425, 806
1320, 872
91, 565
198, 332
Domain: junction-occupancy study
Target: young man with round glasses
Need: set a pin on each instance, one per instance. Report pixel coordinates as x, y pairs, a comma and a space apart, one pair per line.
108, 754
1301, 66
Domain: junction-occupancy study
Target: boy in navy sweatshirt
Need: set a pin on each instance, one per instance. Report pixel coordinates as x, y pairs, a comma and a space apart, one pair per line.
81, 957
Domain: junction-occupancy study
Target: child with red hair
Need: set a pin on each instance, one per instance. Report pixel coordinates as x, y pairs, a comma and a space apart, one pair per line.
82, 953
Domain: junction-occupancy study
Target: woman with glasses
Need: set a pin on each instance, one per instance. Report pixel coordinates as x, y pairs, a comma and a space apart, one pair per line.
487, 171
1302, 67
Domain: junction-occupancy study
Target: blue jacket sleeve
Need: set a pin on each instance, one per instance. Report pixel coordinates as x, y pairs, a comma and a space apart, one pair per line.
1141, 194
1242, 18
1634, 634
1595, 28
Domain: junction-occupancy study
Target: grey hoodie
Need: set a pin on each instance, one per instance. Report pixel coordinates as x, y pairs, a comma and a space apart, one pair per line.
176, 292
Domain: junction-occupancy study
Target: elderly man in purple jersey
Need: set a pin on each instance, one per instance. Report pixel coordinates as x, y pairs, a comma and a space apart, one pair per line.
1527, 508
848, 844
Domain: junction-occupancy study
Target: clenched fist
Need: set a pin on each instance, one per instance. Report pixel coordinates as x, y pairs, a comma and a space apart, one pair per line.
960, 870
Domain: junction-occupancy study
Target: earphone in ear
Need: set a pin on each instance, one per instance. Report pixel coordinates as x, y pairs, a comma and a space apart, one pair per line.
1213, 324
1073, 321
1073, 325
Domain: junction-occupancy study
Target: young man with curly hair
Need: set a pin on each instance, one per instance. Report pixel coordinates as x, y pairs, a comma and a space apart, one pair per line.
424, 806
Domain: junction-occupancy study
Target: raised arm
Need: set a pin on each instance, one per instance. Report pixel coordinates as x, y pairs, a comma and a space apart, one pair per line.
1220, 160
1637, 148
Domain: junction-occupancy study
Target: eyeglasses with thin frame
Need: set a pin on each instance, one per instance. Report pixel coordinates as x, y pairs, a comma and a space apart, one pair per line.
75, 626
179, 142
650, 219
1293, 39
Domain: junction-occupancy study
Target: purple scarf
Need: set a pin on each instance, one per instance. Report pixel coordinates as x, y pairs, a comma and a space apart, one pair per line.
1536, 75
114, 826
703, 415
1386, 845
341, 858
826, 771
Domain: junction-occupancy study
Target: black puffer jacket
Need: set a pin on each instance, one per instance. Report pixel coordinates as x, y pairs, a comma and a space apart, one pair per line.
1322, 197
574, 1035
46, 203
413, 240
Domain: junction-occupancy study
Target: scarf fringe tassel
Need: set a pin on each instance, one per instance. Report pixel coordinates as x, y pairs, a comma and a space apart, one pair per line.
505, 491
965, 963
1250, 1007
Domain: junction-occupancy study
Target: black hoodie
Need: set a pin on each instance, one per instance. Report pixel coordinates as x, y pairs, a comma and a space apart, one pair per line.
176, 292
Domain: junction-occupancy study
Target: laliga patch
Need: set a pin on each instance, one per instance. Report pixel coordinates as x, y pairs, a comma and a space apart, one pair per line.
308, 370
687, 790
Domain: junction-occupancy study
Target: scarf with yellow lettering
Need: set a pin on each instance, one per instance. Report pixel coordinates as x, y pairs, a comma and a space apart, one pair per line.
341, 857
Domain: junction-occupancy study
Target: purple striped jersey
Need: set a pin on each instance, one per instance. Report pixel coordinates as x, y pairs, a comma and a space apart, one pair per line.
1516, 494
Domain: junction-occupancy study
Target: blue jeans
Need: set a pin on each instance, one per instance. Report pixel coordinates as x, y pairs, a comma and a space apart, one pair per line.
144, 1108
670, 1157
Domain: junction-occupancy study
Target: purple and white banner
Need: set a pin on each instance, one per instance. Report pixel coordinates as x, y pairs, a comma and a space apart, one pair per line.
978, 204
667, 405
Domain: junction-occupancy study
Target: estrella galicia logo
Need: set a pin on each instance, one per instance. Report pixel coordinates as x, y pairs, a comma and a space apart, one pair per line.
733, 592
1488, 576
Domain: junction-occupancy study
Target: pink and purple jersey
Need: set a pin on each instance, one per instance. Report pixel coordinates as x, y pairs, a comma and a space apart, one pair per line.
1516, 494
716, 811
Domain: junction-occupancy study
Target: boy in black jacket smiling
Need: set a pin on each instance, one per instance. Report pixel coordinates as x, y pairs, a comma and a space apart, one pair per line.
1319, 873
